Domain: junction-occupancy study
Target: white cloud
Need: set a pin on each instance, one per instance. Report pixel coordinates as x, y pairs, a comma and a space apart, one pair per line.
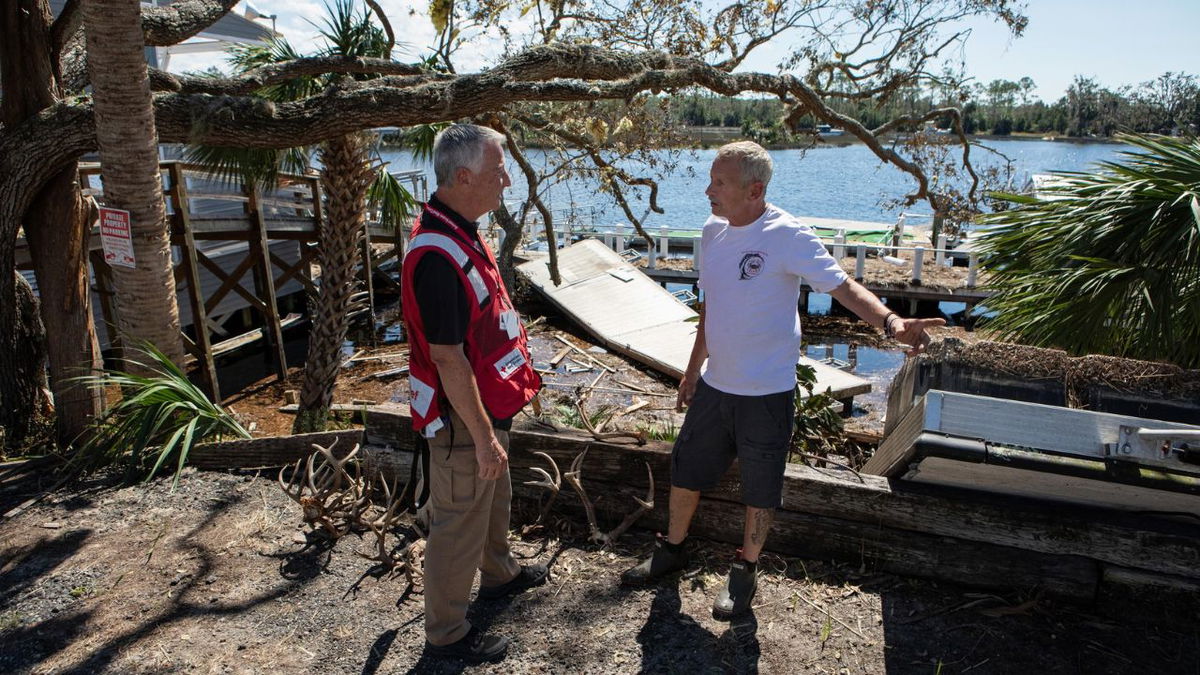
300, 21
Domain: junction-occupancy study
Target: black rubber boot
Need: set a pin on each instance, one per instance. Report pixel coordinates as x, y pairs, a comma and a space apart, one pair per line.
739, 591
474, 647
667, 559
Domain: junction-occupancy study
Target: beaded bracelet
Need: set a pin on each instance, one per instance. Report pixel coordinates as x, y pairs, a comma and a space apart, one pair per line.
887, 325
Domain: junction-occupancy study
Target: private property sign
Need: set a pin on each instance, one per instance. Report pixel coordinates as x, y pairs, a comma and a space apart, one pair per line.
115, 237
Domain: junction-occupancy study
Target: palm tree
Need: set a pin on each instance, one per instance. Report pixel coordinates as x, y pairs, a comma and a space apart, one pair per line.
349, 180
125, 132
1108, 262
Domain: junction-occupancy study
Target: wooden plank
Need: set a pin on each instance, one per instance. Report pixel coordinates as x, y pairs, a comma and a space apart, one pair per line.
1041, 484
978, 540
265, 286
104, 290
650, 325
229, 281
1142, 542
252, 336
204, 348
272, 451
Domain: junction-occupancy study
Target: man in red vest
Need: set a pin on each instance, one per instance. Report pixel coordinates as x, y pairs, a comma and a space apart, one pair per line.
470, 374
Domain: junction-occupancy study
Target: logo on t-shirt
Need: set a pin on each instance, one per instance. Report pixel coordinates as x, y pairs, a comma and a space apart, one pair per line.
752, 264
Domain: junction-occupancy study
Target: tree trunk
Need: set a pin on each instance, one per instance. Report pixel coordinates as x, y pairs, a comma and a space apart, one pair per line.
345, 176
147, 310
23, 378
55, 228
512, 239
57, 231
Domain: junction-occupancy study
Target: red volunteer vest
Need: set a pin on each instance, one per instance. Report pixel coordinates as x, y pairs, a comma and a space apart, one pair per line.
495, 342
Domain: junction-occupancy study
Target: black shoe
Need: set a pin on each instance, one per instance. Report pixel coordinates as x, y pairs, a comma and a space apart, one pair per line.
528, 577
474, 647
739, 591
665, 560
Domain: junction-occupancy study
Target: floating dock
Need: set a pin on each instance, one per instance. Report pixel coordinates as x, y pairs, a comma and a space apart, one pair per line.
629, 313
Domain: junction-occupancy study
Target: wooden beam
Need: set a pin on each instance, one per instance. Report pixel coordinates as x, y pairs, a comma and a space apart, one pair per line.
1152, 543
230, 281
295, 271
204, 351
272, 451
250, 337
966, 537
367, 271
104, 289
264, 285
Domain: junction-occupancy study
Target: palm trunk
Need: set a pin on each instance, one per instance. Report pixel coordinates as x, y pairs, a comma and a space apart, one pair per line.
345, 176
147, 310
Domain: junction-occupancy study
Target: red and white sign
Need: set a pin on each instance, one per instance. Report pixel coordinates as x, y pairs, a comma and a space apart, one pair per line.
115, 237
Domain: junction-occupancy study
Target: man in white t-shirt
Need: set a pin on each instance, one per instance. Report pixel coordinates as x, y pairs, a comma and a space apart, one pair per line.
740, 381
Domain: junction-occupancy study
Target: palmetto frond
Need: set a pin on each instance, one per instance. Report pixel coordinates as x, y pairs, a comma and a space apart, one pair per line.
160, 417
393, 201
351, 33
253, 166
419, 139
1108, 262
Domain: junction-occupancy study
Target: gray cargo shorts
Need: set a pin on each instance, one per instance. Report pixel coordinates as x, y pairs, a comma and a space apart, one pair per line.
718, 427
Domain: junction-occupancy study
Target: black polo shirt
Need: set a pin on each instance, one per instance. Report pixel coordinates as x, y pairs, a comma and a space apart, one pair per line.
441, 298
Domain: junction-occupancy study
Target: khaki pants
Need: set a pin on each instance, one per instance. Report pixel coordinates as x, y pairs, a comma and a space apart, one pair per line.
468, 530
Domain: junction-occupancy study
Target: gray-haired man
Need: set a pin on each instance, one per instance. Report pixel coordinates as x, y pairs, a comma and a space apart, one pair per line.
740, 378
470, 373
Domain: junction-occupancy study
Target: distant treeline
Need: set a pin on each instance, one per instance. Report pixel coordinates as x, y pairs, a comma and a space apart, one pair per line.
1169, 104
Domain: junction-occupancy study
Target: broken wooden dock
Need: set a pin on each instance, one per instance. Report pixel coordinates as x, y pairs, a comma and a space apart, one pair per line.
631, 314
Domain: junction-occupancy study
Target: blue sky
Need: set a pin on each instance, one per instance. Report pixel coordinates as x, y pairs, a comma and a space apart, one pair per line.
1116, 42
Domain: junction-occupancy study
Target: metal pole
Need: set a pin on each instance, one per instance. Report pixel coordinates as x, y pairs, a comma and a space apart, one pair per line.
972, 270
860, 261
918, 262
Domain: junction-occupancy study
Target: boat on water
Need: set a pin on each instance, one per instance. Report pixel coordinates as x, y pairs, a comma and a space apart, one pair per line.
826, 130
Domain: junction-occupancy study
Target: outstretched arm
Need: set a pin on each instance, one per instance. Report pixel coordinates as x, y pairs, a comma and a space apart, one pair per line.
862, 302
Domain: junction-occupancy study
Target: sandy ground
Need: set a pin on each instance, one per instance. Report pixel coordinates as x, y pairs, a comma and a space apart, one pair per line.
220, 577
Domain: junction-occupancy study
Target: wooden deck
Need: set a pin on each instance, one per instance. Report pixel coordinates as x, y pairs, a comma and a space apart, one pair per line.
630, 313
237, 247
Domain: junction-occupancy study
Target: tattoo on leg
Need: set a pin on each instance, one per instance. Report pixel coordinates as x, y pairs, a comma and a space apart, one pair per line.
761, 526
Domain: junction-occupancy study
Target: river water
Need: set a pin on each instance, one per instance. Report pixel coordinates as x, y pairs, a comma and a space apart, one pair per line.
829, 182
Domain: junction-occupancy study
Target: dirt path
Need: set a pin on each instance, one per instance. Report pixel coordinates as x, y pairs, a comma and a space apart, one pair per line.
218, 577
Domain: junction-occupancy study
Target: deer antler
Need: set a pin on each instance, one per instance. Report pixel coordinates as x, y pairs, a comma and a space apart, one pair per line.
551, 484
574, 478
639, 436
335, 500
405, 560
644, 506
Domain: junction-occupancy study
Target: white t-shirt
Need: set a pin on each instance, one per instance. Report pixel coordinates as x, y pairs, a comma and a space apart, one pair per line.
751, 276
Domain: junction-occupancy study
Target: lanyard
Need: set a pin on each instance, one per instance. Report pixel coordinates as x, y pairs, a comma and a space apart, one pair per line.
473, 241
